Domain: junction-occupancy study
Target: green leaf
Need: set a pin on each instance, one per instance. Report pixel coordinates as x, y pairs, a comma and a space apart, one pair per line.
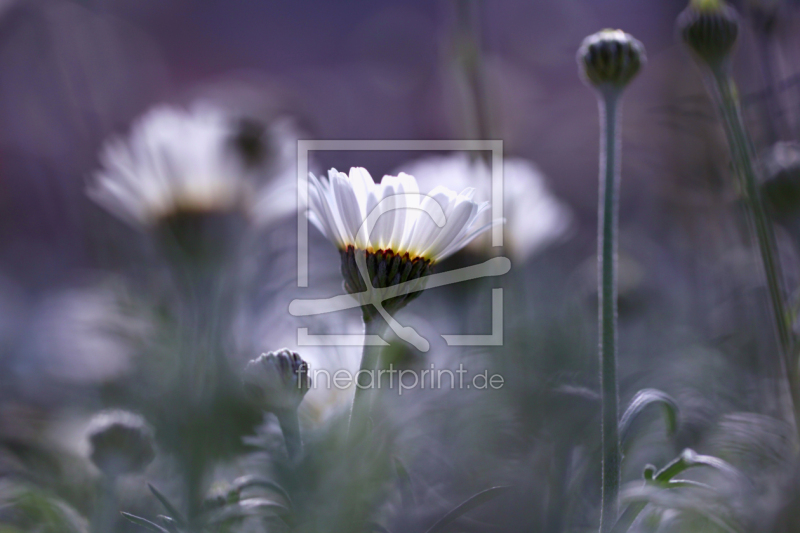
246, 482
47, 512
171, 509
643, 399
465, 507
147, 524
680, 501
664, 479
170, 524
243, 509
626, 518
691, 459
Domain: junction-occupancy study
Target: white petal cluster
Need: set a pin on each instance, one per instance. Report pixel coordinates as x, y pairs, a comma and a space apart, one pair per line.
176, 159
408, 223
534, 217
173, 159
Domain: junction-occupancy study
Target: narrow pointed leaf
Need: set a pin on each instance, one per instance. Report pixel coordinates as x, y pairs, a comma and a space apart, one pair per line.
246, 482
170, 524
465, 507
643, 399
665, 481
171, 509
628, 516
671, 499
691, 459
682, 483
241, 510
147, 524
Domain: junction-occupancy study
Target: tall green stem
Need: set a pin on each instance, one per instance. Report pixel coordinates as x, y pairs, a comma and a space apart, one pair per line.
607, 294
195, 479
107, 506
469, 57
366, 378
741, 152
290, 426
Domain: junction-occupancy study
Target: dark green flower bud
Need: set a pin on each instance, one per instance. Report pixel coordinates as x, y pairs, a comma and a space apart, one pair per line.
121, 442
710, 29
610, 59
278, 381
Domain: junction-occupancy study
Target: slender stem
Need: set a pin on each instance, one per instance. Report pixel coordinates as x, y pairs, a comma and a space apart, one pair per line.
107, 507
194, 478
468, 50
290, 426
741, 151
607, 294
366, 378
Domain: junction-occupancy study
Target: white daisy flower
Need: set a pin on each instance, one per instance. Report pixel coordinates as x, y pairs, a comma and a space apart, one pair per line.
173, 161
534, 217
341, 204
404, 233
200, 160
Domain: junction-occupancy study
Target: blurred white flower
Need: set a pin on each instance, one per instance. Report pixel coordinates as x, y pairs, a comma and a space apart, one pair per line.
534, 217
78, 336
340, 205
174, 160
200, 160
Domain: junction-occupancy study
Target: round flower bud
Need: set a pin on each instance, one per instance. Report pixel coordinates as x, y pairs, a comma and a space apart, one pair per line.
121, 442
709, 28
278, 381
610, 59
780, 171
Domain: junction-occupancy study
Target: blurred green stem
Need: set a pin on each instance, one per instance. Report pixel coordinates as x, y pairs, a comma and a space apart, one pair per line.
290, 426
107, 507
370, 358
607, 293
724, 91
468, 57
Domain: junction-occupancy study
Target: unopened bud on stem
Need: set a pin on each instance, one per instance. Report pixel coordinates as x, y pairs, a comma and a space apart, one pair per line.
121, 443
278, 381
710, 29
610, 59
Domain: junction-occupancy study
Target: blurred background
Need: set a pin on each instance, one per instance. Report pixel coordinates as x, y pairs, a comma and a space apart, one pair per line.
79, 289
